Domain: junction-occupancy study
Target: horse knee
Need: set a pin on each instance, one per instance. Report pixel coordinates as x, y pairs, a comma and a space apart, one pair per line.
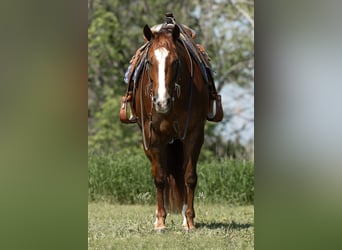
159, 182
191, 180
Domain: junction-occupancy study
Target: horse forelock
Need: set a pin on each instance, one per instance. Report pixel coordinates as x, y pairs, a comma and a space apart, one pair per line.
163, 38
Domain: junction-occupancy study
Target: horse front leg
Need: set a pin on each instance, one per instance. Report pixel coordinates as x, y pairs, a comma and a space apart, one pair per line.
159, 181
190, 184
191, 151
159, 175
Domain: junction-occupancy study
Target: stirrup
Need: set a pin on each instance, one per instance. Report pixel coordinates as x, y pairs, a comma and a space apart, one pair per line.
218, 115
123, 111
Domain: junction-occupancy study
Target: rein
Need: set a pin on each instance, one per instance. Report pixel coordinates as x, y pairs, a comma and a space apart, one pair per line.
146, 146
176, 123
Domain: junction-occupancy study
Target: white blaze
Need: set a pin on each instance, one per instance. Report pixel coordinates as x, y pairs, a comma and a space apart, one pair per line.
161, 55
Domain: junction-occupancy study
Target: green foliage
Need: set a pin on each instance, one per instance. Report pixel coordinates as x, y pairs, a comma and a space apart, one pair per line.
227, 30
104, 52
107, 133
230, 181
125, 177
120, 177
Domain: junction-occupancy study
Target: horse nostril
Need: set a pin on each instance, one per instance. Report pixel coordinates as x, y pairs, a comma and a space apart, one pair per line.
161, 103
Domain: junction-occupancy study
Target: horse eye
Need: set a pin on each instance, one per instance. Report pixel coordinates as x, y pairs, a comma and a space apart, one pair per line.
175, 63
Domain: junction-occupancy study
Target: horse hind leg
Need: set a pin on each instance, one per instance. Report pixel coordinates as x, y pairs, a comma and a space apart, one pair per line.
175, 189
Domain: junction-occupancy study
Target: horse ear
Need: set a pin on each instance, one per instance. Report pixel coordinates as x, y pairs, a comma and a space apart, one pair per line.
148, 33
175, 32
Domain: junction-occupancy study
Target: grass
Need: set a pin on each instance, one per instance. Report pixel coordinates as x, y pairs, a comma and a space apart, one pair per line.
114, 226
125, 177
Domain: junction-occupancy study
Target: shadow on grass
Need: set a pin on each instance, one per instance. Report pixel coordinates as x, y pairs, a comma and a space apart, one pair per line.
216, 225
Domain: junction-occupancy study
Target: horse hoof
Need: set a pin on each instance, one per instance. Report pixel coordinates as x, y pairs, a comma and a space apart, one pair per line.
159, 229
186, 228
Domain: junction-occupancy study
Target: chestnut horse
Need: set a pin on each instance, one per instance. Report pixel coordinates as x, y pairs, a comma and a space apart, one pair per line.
171, 105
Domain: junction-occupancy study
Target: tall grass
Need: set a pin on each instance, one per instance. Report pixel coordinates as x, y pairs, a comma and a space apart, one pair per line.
125, 177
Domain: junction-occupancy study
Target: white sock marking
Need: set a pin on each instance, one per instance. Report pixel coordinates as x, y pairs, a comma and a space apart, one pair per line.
185, 223
156, 221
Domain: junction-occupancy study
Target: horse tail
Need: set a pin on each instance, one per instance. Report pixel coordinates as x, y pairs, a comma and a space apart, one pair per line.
174, 192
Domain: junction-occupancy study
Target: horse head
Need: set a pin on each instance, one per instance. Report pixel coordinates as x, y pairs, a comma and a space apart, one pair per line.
162, 65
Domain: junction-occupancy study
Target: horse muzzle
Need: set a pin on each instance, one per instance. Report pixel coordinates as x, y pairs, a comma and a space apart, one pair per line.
162, 105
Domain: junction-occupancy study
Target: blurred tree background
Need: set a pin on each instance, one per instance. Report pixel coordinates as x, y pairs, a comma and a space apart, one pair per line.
225, 28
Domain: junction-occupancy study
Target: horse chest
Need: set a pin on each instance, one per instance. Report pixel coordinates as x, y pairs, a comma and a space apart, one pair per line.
164, 126
162, 131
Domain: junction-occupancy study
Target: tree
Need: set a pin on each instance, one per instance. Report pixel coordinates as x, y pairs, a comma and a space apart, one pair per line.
227, 30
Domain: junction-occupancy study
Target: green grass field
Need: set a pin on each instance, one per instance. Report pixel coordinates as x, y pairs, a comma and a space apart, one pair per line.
114, 226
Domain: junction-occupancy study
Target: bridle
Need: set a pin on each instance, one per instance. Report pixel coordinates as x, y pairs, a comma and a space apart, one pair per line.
177, 87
